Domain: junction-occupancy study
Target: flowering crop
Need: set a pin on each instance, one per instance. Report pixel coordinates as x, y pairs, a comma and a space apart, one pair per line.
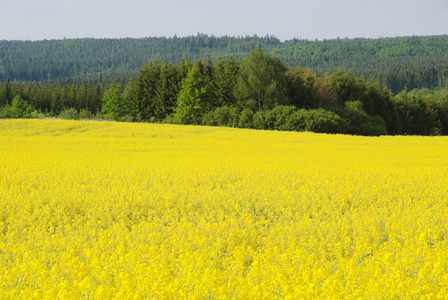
106, 210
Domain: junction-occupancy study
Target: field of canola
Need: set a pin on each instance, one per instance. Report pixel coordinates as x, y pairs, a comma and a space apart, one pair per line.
105, 210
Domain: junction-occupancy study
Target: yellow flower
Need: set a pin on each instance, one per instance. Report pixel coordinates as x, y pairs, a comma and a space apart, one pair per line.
120, 210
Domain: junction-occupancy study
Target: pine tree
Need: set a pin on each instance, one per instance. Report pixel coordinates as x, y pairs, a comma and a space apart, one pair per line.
7, 92
144, 96
167, 90
224, 81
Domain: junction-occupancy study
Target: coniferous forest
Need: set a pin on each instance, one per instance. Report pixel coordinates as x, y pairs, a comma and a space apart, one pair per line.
352, 86
415, 62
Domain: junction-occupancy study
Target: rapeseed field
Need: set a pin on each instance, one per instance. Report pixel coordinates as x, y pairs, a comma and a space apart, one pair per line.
105, 210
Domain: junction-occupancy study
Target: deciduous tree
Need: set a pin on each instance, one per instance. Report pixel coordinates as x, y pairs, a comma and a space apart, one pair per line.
195, 98
261, 82
115, 103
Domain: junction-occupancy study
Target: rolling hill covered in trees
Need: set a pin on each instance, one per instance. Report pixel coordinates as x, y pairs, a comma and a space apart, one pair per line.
412, 62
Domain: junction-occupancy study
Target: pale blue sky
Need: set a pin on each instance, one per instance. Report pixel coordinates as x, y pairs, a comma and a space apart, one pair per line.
285, 19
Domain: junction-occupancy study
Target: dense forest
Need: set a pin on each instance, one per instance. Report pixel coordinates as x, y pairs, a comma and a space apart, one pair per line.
411, 62
112, 60
259, 91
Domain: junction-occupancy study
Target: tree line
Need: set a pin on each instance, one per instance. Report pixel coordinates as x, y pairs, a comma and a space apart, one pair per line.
412, 62
258, 92
50, 98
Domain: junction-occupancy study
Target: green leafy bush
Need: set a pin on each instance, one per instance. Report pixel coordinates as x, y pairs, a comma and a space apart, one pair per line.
86, 114
222, 116
246, 119
19, 108
315, 120
69, 114
358, 121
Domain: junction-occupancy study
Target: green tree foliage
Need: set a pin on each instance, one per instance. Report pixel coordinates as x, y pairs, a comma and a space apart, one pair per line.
116, 104
205, 67
276, 118
415, 62
347, 86
86, 114
302, 88
315, 120
358, 122
439, 105
249, 94
6, 93
261, 82
416, 115
167, 90
19, 108
195, 98
374, 100
225, 76
69, 114
104, 61
246, 118
289, 118
326, 94
146, 92
379, 102
184, 67
51, 97
222, 116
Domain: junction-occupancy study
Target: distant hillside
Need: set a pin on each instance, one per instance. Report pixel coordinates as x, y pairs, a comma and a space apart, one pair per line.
112, 59
415, 62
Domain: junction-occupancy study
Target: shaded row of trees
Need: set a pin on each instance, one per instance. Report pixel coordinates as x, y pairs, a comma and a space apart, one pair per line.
52, 98
259, 92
